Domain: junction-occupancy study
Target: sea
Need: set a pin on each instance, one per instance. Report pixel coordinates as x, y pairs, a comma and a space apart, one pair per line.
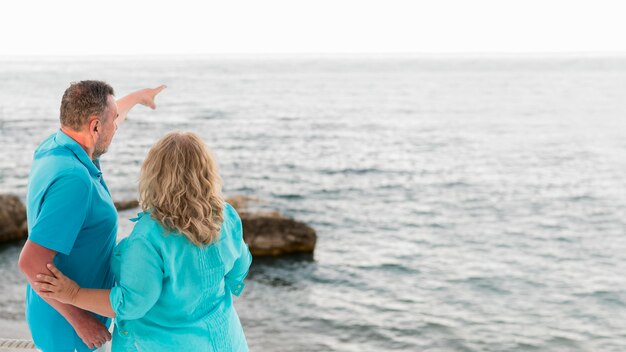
461, 203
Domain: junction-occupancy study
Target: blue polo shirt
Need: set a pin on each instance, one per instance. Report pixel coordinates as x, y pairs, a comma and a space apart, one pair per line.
70, 211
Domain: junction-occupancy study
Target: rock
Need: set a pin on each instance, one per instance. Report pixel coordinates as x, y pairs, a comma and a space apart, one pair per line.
267, 234
271, 235
126, 204
13, 224
240, 203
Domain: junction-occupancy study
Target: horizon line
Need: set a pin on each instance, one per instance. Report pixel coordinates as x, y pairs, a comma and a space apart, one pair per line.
362, 55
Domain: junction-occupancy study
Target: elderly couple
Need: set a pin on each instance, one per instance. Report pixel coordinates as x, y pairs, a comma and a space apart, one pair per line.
169, 284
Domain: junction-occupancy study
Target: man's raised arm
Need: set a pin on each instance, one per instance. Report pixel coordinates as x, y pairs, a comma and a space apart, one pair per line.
144, 97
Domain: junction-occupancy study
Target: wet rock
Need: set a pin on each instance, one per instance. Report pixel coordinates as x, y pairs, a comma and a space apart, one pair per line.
241, 203
272, 234
126, 204
13, 225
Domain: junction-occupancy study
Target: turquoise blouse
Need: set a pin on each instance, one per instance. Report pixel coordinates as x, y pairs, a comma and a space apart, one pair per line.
171, 295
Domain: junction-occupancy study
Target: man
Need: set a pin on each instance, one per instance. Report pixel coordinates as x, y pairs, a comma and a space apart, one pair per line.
71, 217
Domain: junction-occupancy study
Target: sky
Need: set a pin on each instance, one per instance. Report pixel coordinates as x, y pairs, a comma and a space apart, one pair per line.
184, 27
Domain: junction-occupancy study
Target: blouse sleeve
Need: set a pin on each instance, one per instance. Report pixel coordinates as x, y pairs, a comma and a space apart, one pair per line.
139, 284
234, 278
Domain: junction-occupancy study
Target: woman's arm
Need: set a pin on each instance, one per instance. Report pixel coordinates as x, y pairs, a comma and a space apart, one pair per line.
234, 278
144, 97
33, 260
94, 300
137, 290
65, 290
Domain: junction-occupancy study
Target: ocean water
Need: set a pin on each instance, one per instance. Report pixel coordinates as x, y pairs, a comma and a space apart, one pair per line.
461, 204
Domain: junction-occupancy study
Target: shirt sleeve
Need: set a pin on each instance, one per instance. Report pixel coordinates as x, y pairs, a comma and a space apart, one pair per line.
234, 278
140, 282
62, 213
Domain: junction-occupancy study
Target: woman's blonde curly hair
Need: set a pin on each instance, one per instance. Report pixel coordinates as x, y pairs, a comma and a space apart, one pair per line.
180, 185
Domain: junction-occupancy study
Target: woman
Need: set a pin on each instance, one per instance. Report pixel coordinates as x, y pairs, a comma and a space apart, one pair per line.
177, 271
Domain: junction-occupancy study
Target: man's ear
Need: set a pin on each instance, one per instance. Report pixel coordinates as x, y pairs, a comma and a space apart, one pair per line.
94, 125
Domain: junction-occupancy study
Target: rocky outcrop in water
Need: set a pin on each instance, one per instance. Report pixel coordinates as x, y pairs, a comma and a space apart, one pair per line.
267, 234
13, 224
126, 204
272, 234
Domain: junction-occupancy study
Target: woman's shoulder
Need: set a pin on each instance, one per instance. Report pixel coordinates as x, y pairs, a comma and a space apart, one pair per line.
146, 227
232, 220
231, 226
230, 210
149, 229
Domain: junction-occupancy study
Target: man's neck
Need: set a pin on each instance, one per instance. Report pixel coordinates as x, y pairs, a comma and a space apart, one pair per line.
81, 138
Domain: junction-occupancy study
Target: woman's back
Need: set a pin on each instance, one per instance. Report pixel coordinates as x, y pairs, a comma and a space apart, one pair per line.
171, 294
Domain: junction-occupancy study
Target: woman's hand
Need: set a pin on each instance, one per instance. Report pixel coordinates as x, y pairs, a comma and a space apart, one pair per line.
146, 96
58, 287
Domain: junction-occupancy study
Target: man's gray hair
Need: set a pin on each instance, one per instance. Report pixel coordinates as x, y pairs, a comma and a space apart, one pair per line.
83, 99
